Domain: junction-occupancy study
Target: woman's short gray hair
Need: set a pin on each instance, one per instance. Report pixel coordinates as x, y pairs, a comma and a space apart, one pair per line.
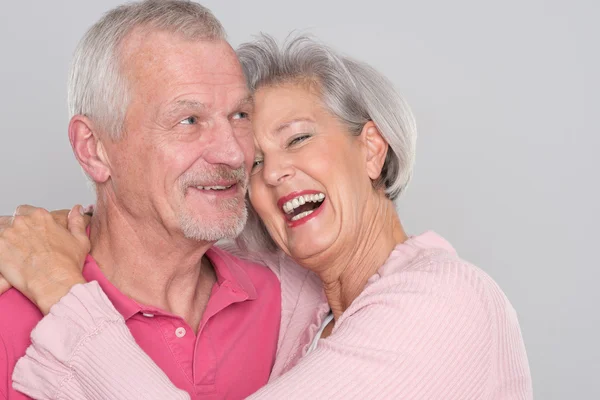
351, 90
97, 86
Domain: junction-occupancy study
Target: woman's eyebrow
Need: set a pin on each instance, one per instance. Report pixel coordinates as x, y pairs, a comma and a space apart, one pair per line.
290, 123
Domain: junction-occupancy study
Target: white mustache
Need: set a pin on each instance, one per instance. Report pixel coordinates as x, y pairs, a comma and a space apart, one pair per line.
238, 175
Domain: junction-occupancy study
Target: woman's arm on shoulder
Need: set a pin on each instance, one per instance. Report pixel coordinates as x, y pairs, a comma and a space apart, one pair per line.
83, 349
418, 334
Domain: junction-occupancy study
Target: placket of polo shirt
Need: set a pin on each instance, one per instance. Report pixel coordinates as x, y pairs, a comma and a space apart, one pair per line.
195, 354
222, 296
182, 346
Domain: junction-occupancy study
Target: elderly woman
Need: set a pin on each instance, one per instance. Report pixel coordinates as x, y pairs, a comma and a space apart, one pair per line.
385, 315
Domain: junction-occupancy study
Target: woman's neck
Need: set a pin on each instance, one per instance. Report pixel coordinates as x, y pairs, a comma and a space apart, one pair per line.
348, 272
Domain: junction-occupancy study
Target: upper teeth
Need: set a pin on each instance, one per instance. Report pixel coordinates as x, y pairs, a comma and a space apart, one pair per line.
213, 187
289, 206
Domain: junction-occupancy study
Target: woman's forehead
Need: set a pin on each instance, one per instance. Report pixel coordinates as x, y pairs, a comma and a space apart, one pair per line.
279, 108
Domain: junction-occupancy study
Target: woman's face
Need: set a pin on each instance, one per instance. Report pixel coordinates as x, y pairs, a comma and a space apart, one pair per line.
309, 183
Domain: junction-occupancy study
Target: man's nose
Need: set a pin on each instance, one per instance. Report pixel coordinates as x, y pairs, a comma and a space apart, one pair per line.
225, 147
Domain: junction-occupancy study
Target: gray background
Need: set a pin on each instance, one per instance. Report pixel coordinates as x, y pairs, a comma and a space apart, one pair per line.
504, 93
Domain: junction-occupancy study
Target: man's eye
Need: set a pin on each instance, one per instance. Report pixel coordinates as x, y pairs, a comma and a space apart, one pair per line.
189, 121
241, 115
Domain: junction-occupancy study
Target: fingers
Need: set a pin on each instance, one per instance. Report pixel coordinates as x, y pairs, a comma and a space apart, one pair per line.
61, 217
4, 285
26, 215
24, 209
77, 226
5, 222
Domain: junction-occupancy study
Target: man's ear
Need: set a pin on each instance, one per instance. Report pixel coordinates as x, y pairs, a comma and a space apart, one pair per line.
88, 149
376, 149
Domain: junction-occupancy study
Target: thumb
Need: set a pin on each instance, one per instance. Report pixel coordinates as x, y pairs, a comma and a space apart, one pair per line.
76, 224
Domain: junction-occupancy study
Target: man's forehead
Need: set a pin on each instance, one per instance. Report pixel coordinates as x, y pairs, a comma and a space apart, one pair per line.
166, 53
189, 80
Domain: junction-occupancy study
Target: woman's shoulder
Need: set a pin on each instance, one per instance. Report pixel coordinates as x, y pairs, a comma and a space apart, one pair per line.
428, 267
430, 313
432, 257
425, 290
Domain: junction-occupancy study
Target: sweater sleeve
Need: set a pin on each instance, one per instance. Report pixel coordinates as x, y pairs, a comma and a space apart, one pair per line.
83, 350
427, 333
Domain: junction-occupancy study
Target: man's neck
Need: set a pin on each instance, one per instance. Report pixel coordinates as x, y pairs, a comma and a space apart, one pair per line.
151, 265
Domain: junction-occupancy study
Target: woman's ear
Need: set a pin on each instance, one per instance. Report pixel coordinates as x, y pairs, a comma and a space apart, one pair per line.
88, 149
376, 149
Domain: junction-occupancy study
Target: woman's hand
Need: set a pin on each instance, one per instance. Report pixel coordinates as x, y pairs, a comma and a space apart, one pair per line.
41, 258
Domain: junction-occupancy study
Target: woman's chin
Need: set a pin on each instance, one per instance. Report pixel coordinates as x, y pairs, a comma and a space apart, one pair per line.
308, 248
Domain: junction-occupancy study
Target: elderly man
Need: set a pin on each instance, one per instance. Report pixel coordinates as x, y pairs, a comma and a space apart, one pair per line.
159, 122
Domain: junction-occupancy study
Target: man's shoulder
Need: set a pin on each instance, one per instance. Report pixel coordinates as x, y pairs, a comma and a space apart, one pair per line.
18, 316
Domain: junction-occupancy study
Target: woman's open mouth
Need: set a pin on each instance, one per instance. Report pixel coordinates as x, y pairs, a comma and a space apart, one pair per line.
297, 207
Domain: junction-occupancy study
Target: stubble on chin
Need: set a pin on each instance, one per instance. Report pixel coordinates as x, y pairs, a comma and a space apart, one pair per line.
210, 227
207, 225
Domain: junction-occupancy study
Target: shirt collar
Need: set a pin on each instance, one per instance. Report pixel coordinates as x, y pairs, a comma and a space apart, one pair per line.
230, 273
126, 306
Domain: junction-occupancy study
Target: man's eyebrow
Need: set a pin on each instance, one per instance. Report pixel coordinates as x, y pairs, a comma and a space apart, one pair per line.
180, 105
289, 123
247, 101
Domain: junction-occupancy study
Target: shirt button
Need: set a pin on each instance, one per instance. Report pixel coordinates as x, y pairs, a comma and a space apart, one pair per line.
180, 332
148, 315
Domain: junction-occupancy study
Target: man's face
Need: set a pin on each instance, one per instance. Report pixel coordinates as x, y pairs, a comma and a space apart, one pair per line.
187, 147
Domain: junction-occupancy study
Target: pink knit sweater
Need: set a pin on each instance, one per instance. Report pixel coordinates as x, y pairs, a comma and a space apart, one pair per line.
428, 325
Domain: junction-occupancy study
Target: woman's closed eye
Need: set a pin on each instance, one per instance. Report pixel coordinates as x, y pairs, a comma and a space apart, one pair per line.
258, 162
298, 139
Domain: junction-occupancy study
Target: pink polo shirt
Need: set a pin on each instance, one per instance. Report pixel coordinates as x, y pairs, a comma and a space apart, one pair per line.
231, 356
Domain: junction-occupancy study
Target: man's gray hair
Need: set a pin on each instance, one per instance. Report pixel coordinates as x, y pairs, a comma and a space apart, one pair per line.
98, 87
352, 91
